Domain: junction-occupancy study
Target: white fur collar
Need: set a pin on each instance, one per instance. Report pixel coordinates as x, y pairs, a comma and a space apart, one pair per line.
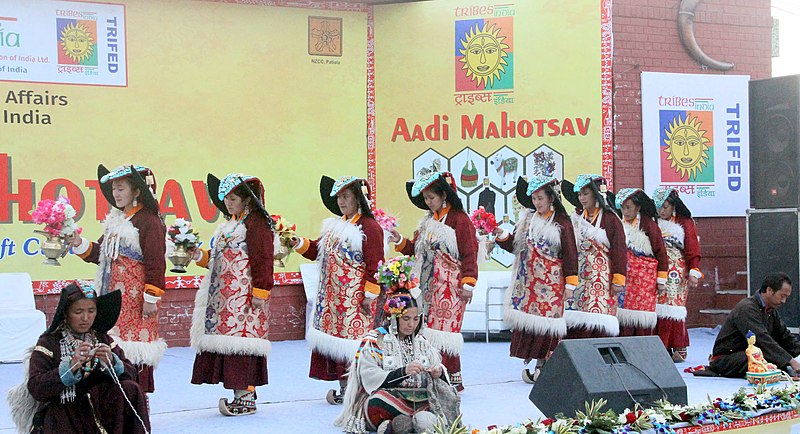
636, 239
672, 231
342, 231
431, 229
118, 232
586, 230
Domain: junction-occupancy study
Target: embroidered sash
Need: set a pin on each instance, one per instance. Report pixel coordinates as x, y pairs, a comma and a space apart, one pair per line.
338, 309
446, 310
229, 309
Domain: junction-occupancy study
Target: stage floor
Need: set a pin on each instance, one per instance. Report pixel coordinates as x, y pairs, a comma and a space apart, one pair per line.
292, 402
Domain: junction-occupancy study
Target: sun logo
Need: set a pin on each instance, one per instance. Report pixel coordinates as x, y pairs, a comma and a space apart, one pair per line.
687, 146
77, 42
484, 54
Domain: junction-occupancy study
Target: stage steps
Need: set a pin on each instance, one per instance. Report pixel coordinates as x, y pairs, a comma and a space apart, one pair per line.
721, 301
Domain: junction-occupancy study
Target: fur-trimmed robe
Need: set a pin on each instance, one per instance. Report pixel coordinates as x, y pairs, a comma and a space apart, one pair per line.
339, 323
598, 312
644, 242
680, 237
41, 389
378, 359
240, 264
132, 244
554, 238
452, 235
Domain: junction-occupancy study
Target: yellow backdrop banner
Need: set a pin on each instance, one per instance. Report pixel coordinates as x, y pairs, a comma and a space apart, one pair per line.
275, 92
490, 91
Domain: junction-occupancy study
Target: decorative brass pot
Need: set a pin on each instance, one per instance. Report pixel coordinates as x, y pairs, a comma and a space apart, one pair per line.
180, 258
53, 247
282, 251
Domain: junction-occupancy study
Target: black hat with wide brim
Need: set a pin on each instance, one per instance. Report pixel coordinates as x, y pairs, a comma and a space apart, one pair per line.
444, 180
567, 189
418, 201
329, 188
325, 188
108, 307
522, 194
213, 183
137, 176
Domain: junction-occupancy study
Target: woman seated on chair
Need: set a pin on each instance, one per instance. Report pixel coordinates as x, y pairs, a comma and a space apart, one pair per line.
389, 380
78, 380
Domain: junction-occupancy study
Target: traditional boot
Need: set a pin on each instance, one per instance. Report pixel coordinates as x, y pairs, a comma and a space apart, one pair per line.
334, 398
244, 403
455, 380
679, 355
531, 377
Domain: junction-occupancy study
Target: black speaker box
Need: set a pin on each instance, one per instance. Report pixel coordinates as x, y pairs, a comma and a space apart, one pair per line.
774, 144
619, 370
773, 242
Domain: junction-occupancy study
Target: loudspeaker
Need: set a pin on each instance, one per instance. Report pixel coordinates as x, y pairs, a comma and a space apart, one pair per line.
774, 144
620, 370
773, 241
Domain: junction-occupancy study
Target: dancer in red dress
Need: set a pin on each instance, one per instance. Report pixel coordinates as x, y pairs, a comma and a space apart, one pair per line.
230, 323
647, 263
546, 265
683, 251
348, 250
445, 245
602, 265
130, 255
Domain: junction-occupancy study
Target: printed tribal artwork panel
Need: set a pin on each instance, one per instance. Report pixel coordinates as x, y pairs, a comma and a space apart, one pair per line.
687, 146
484, 55
325, 36
490, 180
77, 42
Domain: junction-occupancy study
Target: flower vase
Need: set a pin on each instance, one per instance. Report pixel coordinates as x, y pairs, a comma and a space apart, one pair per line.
485, 246
53, 247
282, 251
180, 258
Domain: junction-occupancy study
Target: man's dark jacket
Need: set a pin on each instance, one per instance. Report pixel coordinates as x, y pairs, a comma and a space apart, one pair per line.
772, 336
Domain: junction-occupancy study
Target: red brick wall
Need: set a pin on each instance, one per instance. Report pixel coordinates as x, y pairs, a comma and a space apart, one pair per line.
646, 39
287, 314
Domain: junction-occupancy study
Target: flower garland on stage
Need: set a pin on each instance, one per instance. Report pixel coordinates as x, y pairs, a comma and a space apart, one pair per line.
663, 418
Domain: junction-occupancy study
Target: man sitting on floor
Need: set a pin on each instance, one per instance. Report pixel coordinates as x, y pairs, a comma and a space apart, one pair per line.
757, 314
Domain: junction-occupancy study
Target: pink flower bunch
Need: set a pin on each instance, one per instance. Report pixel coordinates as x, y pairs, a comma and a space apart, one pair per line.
483, 220
386, 221
397, 273
57, 216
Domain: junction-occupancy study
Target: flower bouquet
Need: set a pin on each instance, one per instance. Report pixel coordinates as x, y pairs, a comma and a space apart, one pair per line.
485, 224
397, 273
285, 232
183, 237
386, 221
58, 218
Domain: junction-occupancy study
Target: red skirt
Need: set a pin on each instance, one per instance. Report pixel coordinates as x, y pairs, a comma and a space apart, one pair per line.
326, 369
529, 346
146, 380
585, 333
235, 372
452, 363
630, 330
673, 332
